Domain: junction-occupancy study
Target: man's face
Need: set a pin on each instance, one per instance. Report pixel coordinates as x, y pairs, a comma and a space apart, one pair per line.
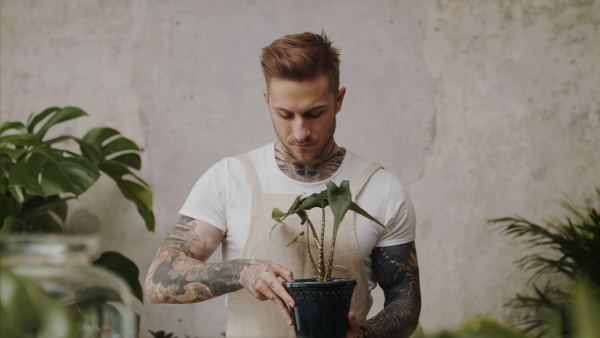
303, 114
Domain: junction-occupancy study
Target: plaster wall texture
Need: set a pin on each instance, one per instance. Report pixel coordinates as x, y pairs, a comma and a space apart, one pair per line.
482, 109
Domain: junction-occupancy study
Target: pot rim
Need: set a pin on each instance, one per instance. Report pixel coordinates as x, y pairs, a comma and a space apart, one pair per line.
311, 282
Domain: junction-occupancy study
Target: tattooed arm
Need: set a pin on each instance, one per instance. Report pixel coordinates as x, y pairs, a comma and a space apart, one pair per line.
397, 272
180, 274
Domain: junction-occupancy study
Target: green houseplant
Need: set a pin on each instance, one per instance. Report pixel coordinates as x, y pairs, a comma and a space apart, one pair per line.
326, 315
567, 251
38, 176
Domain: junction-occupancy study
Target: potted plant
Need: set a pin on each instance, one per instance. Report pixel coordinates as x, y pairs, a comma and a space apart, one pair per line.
323, 302
39, 175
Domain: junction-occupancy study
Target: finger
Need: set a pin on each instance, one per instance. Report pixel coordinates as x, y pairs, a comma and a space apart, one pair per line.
282, 272
282, 307
281, 292
353, 327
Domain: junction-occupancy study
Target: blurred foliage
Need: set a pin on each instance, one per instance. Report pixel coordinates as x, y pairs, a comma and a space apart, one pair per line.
566, 249
584, 311
37, 178
27, 311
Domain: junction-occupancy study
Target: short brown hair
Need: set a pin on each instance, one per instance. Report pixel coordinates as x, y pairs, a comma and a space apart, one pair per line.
302, 57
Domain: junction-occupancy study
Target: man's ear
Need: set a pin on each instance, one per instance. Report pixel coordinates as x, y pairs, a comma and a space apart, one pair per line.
340, 99
266, 95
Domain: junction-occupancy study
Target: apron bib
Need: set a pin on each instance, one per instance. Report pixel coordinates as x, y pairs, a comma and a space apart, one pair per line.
249, 317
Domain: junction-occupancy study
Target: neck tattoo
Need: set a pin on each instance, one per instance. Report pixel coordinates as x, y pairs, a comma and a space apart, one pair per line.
312, 172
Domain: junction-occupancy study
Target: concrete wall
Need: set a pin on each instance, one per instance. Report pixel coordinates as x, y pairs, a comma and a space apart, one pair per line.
482, 109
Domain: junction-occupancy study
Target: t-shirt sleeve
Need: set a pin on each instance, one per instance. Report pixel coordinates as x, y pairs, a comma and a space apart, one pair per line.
206, 202
400, 217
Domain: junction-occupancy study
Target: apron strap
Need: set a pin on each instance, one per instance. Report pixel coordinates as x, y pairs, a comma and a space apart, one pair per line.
250, 173
358, 185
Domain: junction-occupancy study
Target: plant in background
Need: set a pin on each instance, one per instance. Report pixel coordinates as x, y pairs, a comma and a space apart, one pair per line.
38, 177
568, 248
339, 199
585, 311
26, 310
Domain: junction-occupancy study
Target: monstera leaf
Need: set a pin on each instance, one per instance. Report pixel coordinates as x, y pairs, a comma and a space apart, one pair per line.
34, 170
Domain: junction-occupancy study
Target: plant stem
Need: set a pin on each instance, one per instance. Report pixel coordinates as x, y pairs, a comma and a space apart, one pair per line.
322, 271
330, 263
312, 260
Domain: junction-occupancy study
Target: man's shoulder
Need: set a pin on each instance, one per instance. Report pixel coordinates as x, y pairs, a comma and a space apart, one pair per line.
260, 152
358, 164
382, 182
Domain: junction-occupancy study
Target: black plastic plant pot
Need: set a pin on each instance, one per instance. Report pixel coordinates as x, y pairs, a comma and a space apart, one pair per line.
321, 307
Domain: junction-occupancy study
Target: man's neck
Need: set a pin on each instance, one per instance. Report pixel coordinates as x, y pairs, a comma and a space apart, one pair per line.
315, 171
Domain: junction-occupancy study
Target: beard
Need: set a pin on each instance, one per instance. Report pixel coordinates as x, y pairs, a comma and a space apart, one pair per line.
318, 152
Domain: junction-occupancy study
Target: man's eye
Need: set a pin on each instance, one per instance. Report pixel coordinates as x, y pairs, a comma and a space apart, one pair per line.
287, 116
315, 115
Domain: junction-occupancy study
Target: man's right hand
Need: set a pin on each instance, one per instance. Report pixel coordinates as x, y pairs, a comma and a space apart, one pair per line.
260, 277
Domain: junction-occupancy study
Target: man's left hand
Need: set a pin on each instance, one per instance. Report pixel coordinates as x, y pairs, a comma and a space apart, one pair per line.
354, 330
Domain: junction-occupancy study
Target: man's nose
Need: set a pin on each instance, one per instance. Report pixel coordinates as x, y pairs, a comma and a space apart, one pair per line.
301, 130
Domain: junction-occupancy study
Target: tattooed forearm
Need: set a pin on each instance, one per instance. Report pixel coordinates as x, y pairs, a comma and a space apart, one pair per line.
312, 172
397, 272
179, 273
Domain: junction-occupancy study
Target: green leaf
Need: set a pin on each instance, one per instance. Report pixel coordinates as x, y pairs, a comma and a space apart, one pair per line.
123, 267
5, 208
117, 170
46, 223
340, 199
119, 144
35, 119
19, 140
62, 115
295, 239
28, 311
97, 136
87, 150
354, 207
277, 215
141, 197
8, 224
12, 125
38, 206
14, 154
137, 192
66, 174
586, 310
129, 159
148, 216
61, 210
47, 172
17, 193
314, 201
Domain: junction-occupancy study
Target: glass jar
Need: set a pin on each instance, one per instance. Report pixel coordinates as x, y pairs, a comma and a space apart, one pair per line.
97, 299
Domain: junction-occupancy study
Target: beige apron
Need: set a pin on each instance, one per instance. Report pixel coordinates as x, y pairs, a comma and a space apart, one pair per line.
248, 317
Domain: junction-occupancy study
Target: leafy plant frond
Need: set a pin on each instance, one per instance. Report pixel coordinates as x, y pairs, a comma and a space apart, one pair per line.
339, 200
567, 247
32, 166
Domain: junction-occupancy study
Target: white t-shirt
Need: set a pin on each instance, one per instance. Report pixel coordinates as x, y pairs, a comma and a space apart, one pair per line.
222, 197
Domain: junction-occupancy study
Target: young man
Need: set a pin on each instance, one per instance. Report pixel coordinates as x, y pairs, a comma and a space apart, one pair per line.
232, 203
